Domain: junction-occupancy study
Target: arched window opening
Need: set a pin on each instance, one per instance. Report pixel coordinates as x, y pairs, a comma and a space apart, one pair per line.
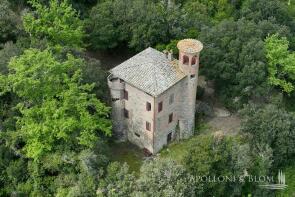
185, 60
194, 60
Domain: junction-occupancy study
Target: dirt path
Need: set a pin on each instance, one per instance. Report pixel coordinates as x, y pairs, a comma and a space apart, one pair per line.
221, 119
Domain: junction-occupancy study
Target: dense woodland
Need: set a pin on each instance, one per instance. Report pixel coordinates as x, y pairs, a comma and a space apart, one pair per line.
55, 128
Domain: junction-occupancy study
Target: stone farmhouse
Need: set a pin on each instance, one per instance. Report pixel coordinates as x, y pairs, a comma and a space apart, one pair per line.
154, 95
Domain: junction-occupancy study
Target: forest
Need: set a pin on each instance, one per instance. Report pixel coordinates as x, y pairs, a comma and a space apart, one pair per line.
55, 126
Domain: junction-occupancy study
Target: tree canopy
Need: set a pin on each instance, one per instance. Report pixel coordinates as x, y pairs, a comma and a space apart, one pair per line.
281, 63
58, 23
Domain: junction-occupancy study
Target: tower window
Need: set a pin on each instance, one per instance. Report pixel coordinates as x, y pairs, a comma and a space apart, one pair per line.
193, 76
125, 94
147, 126
185, 60
170, 117
171, 99
148, 106
126, 113
160, 106
194, 60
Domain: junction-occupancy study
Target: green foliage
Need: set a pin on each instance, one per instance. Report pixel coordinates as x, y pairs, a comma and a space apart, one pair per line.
290, 181
259, 10
281, 63
166, 178
114, 22
93, 73
221, 155
58, 23
273, 127
56, 108
118, 181
9, 22
157, 178
9, 50
234, 57
217, 10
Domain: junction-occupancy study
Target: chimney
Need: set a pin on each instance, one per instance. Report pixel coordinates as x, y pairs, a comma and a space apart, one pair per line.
170, 55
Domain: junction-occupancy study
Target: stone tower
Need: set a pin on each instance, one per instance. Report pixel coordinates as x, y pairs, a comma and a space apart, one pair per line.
189, 52
117, 87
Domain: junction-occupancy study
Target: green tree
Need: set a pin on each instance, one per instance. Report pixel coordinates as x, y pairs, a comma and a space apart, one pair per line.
117, 182
112, 23
9, 50
216, 10
57, 110
58, 23
234, 58
9, 23
281, 63
166, 178
271, 126
259, 10
219, 155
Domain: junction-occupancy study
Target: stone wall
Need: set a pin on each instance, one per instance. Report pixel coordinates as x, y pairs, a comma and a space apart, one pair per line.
138, 115
163, 127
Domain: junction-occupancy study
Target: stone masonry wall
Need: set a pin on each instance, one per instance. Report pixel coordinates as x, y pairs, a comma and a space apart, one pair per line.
138, 115
163, 127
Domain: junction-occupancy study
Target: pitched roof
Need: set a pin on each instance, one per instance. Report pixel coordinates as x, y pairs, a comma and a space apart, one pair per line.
149, 71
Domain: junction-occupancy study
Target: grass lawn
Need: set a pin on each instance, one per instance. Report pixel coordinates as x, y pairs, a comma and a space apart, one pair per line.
177, 150
129, 153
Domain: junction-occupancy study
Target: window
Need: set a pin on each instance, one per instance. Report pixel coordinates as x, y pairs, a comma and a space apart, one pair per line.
147, 126
160, 106
171, 99
193, 76
125, 94
126, 113
137, 134
185, 60
194, 60
148, 106
170, 117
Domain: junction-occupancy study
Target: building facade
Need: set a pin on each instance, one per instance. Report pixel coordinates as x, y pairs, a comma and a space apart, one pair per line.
153, 96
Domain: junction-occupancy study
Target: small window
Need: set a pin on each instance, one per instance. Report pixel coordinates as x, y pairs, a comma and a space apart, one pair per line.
185, 60
171, 99
148, 106
137, 134
125, 94
193, 76
170, 117
148, 126
194, 60
126, 113
160, 106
